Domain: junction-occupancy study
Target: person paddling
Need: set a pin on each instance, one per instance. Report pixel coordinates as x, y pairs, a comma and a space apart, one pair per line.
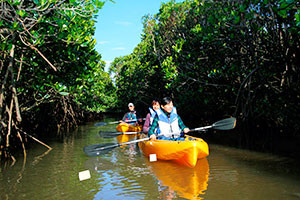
150, 116
131, 117
168, 122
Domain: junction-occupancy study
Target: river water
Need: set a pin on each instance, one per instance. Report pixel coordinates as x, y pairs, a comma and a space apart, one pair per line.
125, 173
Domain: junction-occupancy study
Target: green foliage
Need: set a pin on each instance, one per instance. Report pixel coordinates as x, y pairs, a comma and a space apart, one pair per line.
221, 57
49, 58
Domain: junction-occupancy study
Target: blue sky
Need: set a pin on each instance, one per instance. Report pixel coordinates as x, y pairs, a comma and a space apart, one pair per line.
119, 26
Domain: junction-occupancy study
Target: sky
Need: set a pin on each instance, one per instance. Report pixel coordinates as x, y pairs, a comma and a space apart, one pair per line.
119, 26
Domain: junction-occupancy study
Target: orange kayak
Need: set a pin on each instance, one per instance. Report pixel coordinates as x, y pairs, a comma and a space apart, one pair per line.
188, 183
124, 127
185, 152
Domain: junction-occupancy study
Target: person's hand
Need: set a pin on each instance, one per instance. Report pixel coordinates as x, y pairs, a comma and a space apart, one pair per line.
153, 137
186, 130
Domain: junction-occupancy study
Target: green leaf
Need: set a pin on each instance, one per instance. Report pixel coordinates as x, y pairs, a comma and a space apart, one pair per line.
99, 4
237, 19
43, 2
21, 13
16, 2
15, 24
290, 1
64, 93
297, 16
282, 13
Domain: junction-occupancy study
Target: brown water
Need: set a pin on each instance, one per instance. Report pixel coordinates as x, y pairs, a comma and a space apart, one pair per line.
125, 173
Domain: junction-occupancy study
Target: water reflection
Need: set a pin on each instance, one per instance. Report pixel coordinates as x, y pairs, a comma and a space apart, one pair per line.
126, 137
125, 173
189, 183
173, 179
120, 175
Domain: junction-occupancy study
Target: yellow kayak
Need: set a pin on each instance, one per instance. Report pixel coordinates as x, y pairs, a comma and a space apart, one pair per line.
183, 152
188, 183
124, 127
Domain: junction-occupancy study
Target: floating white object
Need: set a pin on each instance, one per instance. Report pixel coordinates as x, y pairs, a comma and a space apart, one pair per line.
84, 175
152, 158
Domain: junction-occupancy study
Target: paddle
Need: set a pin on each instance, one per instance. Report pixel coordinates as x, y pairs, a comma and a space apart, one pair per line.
111, 134
115, 122
100, 149
224, 124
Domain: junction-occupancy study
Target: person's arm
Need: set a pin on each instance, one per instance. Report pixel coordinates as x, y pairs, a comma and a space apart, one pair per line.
124, 118
182, 126
146, 124
139, 120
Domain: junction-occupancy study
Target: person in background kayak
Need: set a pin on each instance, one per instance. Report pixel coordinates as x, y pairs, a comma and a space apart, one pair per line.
168, 122
150, 116
131, 117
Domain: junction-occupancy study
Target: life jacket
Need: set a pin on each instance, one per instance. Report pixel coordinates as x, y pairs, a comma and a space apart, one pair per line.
131, 116
152, 115
168, 126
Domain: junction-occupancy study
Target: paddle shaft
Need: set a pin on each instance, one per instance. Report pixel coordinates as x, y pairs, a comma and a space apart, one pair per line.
110, 134
132, 120
200, 128
224, 124
120, 144
129, 133
133, 141
116, 122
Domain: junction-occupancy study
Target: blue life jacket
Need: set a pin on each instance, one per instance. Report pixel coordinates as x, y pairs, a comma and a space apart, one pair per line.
131, 116
152, 115
168, 126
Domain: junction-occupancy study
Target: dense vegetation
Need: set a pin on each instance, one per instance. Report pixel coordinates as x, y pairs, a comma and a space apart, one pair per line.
50, 71
215, 58
220, 58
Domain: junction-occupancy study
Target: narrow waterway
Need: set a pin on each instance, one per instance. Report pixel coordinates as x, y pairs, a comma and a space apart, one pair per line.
124, 173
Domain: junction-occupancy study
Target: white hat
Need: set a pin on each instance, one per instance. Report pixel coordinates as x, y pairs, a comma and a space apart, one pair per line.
130, 104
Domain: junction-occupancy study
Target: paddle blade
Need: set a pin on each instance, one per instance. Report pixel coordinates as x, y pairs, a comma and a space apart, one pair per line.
99, 149
225, 124
100, 124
